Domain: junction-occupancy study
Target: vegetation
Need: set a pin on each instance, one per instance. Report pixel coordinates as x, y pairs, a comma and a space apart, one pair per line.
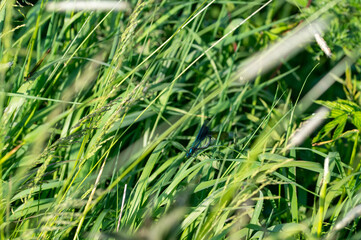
99, 108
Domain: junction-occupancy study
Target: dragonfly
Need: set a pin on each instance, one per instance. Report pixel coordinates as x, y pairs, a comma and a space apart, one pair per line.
37, 65
203, 134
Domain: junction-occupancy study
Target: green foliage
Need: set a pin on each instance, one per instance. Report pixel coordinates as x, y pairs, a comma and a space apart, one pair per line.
341, 111
93, 136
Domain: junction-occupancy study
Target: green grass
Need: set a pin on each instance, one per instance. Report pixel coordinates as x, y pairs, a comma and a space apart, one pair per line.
93, 142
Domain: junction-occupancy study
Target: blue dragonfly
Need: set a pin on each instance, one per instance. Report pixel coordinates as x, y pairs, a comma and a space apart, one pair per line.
202, 135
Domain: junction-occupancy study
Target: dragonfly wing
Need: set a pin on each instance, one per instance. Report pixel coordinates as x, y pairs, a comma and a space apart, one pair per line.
202, 134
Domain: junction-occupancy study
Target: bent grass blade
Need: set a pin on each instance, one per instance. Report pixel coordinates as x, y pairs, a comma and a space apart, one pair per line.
37, 65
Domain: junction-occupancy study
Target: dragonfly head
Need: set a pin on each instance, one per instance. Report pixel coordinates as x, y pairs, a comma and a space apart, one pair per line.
190, 152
